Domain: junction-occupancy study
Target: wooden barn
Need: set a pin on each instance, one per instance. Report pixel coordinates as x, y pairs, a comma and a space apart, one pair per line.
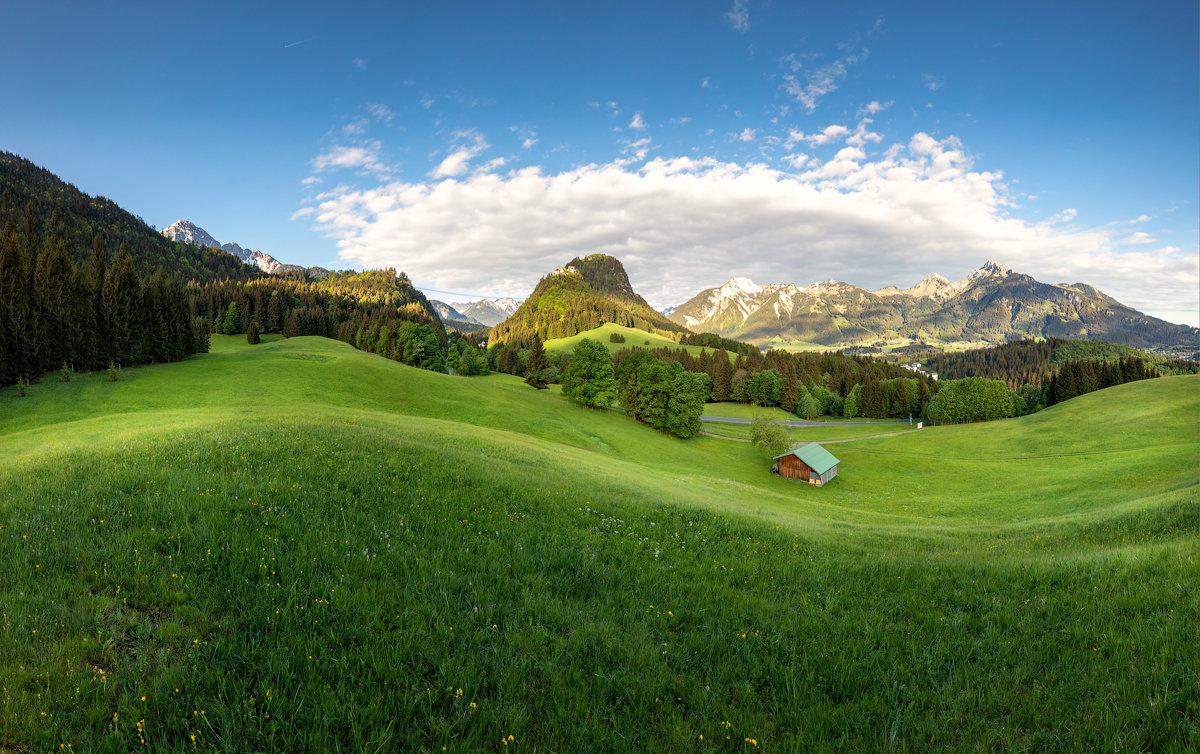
810, 462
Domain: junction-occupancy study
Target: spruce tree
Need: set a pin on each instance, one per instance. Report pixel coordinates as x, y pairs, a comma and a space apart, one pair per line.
122, 299
252, 333
536, 365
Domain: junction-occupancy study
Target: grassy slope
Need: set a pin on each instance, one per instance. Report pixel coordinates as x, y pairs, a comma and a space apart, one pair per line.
633, 338
280, 532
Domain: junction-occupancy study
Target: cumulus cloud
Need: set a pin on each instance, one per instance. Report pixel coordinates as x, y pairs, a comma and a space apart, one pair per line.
932, 82
637, 124
739, 17
747, 134
682, 225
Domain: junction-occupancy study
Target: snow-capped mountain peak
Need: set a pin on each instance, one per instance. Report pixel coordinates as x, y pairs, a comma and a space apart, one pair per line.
734, 286
186, 231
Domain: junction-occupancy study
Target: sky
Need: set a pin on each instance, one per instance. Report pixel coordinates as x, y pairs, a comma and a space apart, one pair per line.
477, 146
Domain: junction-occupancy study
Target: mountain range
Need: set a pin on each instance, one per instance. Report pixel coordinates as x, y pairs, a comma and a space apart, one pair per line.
488, 311
185, 231
992, 304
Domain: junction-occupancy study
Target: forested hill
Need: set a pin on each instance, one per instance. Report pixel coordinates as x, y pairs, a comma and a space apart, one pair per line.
349, 306
1033, 362
78, 219
585, 294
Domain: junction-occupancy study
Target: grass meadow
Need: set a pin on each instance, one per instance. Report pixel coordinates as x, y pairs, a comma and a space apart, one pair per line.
298, 546
634, 338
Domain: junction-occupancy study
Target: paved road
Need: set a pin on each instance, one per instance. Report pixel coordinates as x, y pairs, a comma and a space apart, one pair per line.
728, 420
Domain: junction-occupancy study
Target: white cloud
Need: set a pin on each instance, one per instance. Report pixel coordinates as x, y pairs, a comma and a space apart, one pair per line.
468, 144
1066, 216
816, 83
639, 148
528, 136
862, 134
747, 134
870, 220
873, 107
356, 127
739, 17
796, 160
637, 124
834, 133
360, 63
363, 157
682, 121
312, 180
1137, 239
932, 82
705, 84
381, 113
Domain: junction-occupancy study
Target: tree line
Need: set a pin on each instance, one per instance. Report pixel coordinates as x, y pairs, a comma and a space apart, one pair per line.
56, 314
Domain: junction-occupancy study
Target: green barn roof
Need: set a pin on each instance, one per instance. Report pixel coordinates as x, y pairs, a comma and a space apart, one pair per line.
814, 456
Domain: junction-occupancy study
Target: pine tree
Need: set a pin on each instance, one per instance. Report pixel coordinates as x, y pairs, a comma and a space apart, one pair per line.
231, 323
53, 287
536, 365
252, 333
122, 298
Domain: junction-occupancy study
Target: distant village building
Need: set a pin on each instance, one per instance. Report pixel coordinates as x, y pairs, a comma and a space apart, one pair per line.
810, 462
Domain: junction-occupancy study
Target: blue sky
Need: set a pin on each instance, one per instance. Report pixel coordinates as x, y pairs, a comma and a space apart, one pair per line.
478, 145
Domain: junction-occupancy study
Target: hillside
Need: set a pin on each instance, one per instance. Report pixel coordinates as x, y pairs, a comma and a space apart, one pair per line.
82, 218
583, 295
186, 559
992, 304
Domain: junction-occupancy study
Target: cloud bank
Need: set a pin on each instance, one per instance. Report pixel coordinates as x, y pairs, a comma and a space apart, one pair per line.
681, 225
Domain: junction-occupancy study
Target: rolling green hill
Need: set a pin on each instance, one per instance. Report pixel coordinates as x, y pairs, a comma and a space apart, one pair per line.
357, 554
634, 338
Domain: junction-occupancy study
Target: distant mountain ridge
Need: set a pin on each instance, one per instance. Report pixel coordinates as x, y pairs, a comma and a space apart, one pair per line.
582, 295
185, 231
488, 311
992, 304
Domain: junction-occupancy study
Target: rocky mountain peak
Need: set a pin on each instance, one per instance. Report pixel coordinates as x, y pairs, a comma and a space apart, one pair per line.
739, 285
186, 231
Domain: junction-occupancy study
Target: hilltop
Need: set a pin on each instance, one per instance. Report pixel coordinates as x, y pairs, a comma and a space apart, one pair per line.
992, 304
582, 295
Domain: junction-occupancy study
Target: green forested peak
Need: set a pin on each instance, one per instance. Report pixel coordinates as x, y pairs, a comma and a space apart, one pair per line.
606, 275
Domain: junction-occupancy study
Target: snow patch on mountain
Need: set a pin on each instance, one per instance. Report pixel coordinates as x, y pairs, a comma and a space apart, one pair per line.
185, 231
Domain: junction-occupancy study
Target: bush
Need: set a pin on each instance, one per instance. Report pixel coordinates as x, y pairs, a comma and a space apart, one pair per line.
616, 338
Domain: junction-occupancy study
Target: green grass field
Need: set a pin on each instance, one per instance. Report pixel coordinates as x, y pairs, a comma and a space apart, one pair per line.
823, 433
299, 546
633, 339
